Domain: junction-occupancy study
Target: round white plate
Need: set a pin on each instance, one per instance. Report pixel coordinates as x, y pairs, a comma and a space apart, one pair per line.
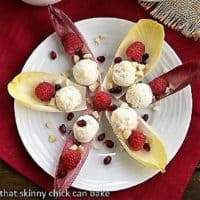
171, 122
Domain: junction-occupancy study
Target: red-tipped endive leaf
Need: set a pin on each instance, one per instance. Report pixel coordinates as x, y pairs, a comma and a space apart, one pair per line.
62, 25
181, 76
61, 184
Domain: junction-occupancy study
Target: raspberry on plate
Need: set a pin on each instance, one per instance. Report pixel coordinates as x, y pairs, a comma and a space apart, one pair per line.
71, 158
72, 43
136, 140
102, 101
45, 91
159, 85
136, 51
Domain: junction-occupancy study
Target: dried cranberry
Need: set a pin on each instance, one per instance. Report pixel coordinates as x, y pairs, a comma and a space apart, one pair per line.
75, 141
101, 58
57, 87
70, 116
116, 90
112, 107
81, 123
62, 174
101, 137
145, 117
53, 55
107, 160
146, 147
62, 129
109, 143
117, 60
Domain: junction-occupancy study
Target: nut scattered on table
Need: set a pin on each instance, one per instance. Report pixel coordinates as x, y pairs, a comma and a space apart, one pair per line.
49, 124
155, 108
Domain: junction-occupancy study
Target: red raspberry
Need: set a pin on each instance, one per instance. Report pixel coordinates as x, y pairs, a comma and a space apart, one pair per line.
45, 91
135, 51
71, 158
159, 85
101, 101
136, 140
72, 43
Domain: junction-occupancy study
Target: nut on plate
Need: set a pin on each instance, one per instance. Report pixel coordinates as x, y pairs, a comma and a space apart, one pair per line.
87, 55
94, 86
73, 147
52, 138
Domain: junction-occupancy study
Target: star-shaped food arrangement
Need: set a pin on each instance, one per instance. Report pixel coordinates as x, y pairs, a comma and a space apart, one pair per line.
120, 94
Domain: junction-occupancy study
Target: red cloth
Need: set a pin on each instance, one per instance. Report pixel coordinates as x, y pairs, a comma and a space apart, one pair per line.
23, 27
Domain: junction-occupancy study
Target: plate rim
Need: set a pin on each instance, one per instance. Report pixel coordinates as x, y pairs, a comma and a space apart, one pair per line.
31, 153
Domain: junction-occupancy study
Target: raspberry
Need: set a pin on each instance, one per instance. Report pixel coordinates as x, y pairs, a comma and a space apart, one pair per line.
136, 140
135, 51
72, 43
101, 101
71, 158
45, 91
159, 85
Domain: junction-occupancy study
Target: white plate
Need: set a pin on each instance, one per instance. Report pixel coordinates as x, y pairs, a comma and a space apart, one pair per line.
171, 122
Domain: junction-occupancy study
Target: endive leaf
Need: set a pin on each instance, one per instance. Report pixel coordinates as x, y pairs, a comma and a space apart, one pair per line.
156, 158
151, 34
22, 88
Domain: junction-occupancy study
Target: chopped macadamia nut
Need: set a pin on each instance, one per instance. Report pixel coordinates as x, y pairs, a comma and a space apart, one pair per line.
75, 59
97, 41
95, 114
52, 138
139, 74
94, 86
49, 125
155, 108
81, 148
73, 147
87, 55
102, 36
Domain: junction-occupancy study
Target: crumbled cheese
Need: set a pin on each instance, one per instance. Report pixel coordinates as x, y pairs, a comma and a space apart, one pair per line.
52, 138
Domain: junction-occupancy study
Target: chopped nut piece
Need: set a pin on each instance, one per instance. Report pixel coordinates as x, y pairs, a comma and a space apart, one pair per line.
141, 67
97, 41
95, 114
81, 148
75, 59
49, 125
94, 86
126, 134
52, 138
167, 90
88, 100
95, 146
87, 55
109, 85
73, 147
155, 108
102, 36
139, 74
52, 102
